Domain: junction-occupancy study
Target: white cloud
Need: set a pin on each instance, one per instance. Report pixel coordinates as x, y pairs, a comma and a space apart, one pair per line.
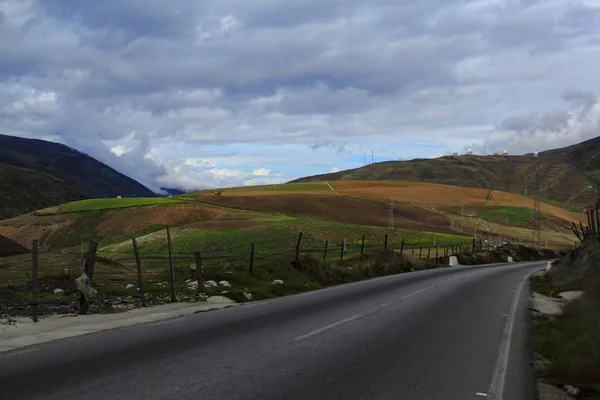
334, 169
261, 172
206, 93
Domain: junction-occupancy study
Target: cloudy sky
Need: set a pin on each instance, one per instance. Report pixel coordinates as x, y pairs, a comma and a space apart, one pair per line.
187, 93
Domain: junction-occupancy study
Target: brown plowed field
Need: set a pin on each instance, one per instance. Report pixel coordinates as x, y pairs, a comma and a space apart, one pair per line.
342, 209
434, 195
137, 219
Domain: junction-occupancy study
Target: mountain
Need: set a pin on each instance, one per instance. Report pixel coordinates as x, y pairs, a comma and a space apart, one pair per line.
566, 174
76, 175
25, 190
173, 191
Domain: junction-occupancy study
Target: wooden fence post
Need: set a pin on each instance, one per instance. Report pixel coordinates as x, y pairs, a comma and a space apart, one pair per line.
139, 271
298, 246
413, 252
402, 246
171, 268
199, 270
90, 262
342, 251
436, 253
34, 279
362, 246
420, 252
385, 246
325, 252
428, 253
251, 267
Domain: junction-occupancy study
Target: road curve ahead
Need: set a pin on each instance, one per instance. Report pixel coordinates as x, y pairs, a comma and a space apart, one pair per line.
452, 333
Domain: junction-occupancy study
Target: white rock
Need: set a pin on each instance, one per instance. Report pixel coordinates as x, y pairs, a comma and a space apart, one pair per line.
188, 280
224, 292
224, 284
192, 285
59, 292
570, 296
210, 284
549, 266
277, 282
572, 390
248, 296
129, 286
193, 266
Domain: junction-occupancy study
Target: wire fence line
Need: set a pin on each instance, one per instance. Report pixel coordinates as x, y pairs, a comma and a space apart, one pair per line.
169, 274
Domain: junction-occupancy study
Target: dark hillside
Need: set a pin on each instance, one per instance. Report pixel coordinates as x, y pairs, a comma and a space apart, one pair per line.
81, 171
25, 190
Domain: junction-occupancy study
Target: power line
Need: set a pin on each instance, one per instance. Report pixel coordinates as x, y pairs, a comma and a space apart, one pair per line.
537, 215
391, 211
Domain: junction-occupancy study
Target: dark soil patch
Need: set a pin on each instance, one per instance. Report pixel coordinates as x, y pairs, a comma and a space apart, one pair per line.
10, 248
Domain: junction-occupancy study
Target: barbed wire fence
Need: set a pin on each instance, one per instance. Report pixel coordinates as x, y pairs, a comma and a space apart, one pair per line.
141, 278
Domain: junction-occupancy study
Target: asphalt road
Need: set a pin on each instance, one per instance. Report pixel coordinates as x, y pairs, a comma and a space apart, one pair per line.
453, 333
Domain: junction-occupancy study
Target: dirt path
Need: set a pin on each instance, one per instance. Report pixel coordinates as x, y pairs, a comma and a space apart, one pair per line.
332, 189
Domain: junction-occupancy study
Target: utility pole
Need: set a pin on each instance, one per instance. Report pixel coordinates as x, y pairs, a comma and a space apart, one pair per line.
537, 215
462, 212
391, 211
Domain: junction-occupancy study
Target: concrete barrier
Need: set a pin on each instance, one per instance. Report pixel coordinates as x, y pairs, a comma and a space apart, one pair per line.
549, 266
510, 259
453, 261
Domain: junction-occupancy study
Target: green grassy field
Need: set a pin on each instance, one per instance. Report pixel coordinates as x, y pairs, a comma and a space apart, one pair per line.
112, 203
515, 215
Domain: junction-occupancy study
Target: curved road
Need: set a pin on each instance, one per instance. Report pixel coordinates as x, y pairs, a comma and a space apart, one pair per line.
452, 333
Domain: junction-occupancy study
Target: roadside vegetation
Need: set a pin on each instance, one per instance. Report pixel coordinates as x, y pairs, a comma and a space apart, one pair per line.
570, 342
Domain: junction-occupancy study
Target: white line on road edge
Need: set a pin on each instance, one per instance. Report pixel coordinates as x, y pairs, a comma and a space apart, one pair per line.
316, 332
496, 391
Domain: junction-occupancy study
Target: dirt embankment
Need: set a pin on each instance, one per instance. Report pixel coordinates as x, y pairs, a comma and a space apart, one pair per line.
342, 209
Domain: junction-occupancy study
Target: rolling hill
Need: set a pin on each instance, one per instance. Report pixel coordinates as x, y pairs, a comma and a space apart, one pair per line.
37, 174
566, 173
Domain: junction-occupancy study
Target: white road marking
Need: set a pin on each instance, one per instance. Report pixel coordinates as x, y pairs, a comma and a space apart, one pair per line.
496, 391
325, 328
481, 394
335, 324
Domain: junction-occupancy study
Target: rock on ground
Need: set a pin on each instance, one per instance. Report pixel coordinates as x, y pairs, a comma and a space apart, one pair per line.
210, 284
219, 299
248, 296
129, 286
546, 305
570, 296
59, 292
224, 284
549, 392
277, 282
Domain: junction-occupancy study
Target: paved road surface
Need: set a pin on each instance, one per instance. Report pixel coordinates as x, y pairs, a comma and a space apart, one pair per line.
455, 333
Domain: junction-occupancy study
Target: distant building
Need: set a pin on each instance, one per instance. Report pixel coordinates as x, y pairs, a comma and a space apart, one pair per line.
470, 152
118, 197
505, 153
495, 154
